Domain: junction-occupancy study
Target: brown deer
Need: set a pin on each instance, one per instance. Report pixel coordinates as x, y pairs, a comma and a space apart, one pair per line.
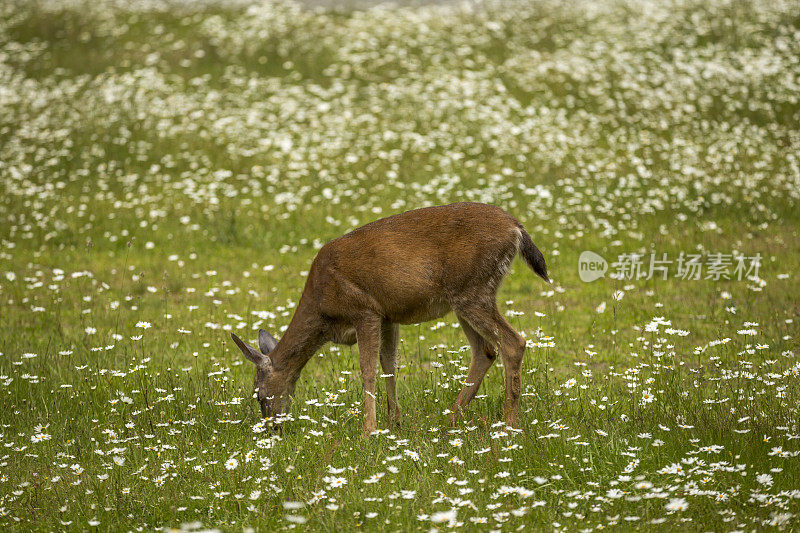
407, 268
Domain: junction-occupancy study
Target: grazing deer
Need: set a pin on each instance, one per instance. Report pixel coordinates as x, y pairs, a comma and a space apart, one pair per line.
404, 269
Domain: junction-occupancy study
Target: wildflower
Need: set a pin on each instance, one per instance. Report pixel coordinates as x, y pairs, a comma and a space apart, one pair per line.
647, 397
292, 506
40, 437
374, 478
676, 504
444, 516
765, 479
411, 454
334, 481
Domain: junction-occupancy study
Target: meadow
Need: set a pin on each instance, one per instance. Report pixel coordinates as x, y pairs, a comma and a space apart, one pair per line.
168, 171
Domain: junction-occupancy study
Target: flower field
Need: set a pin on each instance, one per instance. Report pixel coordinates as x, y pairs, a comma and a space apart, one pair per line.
169, 169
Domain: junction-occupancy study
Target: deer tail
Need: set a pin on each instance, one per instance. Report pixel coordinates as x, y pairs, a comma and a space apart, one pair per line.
532, 255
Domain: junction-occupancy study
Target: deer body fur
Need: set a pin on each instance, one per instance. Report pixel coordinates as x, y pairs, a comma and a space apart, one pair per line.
407, 268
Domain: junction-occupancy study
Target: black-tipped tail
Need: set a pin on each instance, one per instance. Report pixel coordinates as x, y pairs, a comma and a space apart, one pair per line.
532, 255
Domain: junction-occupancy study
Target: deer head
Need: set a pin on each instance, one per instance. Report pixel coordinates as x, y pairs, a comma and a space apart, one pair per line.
269, 385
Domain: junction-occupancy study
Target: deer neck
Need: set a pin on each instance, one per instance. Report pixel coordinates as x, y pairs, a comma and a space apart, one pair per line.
298, 344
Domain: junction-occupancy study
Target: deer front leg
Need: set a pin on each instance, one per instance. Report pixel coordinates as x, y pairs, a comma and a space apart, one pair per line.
368, 333
389, 337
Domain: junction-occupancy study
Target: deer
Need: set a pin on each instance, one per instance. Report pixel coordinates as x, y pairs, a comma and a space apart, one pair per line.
407, 268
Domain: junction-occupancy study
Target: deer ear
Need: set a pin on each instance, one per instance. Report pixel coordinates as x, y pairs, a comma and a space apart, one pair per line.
266, 342
251, 353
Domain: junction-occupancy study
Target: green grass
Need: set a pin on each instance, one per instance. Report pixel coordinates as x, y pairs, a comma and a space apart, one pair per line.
181, 165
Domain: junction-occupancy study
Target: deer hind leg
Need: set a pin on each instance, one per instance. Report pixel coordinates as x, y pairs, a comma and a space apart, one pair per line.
368, 332
389, 337
483, 356
490, 324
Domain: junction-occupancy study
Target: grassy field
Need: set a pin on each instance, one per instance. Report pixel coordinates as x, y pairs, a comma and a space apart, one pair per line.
168, 171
